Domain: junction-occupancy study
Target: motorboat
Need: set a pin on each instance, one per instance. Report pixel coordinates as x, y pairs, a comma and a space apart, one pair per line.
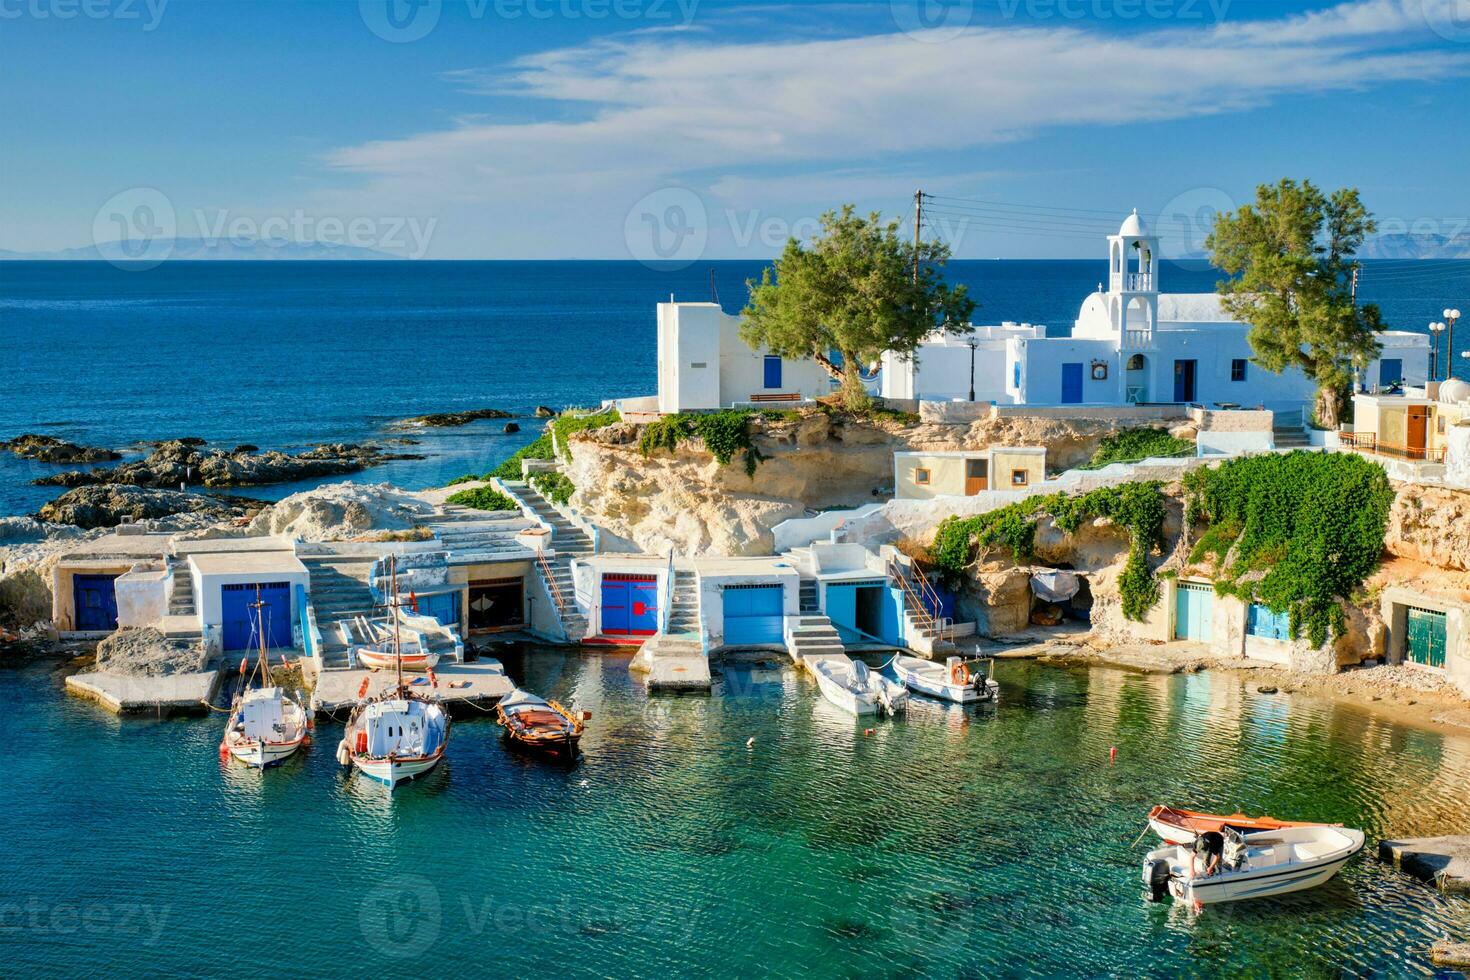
953, 680
1178, 826
1227, 866
535, 723
401, 733
857, 689
266, 725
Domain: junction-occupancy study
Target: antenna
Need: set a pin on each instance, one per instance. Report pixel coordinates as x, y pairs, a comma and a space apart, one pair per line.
714, 293
918, 230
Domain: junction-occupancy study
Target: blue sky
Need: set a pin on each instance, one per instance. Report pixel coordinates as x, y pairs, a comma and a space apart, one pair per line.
696, 128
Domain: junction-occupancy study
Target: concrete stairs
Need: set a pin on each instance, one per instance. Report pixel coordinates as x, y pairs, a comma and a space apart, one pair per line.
813, 638
673, 662
684, 604
923, 638
810, 604
568, 541
473, 535
338, 590
181, 599
1290, 437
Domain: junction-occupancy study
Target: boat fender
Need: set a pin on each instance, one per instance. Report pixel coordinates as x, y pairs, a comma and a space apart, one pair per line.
362, 691
1156, 877
343, 756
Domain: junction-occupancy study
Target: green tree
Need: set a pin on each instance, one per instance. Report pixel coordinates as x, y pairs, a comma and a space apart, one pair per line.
853, 291
1290, 256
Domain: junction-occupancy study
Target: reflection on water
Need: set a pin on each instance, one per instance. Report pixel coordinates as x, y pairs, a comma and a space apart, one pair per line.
952, 841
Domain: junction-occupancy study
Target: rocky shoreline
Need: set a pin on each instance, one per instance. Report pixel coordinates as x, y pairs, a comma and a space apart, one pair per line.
49, 449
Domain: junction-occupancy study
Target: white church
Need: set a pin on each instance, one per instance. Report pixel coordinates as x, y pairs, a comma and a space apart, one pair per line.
1130, 345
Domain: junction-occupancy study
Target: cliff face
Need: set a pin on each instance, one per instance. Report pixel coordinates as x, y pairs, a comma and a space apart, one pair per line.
1430, 525
687, 501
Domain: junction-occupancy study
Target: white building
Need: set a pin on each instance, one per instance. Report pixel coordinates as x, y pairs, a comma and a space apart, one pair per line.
1130, 344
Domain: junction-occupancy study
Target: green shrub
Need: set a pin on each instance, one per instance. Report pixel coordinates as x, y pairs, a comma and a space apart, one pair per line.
511, 468
723, 433
566, 424
467, 478
557, 487
483, 498
1135, 444
1312, 523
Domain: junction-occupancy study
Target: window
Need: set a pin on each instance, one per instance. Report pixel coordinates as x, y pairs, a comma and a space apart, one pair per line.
773, 371
1237, 369
1019, 478
698, 364
921, 476
1261, 621
1016, 375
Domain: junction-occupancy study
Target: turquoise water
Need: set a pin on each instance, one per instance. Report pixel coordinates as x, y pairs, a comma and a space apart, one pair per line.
950, 843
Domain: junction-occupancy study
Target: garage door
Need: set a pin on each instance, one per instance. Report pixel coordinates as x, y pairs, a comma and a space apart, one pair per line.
629, 605
96, 602
1194, 609
752, 614
1426, 637
443, 606
240, 618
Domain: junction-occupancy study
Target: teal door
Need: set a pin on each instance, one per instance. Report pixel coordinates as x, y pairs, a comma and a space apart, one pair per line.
1194, 608
1426, 640
753, 615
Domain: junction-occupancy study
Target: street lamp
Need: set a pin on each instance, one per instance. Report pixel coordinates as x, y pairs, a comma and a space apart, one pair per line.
1435, 329
1450, 317
972, 344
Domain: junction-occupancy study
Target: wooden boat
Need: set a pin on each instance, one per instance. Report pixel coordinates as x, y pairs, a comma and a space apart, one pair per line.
952, 680
1226, 866
1182, 826
400, 734
538, 724
387, 650
856, 689
266, 725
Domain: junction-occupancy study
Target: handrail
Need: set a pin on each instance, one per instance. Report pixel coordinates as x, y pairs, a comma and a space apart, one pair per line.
668, 609
923, 617
546, 573
1368, 442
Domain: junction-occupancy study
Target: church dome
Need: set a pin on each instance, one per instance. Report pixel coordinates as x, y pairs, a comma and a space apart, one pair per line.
1134, 226
1454, 390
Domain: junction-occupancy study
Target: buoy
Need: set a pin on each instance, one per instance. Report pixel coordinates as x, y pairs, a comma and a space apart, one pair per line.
224, 753
750, 742
1112, 753
869, 731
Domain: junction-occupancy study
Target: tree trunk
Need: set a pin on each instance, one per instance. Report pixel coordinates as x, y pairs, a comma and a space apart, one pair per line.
854, 395
1329, 407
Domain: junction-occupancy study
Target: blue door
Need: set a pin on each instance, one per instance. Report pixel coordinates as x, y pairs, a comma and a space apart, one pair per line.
753, 614
1194, 610
241, 619
96, 602
773, 371
629, 605
1071, 384
443, 606
1184, 377
1390, 371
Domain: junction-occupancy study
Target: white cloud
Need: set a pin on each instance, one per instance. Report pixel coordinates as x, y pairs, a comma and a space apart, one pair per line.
641, 111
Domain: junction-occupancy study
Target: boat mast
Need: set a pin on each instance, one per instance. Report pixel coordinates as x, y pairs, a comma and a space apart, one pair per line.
393, 606
265, 666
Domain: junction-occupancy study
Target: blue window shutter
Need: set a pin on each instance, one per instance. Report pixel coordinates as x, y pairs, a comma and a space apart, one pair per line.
773, 371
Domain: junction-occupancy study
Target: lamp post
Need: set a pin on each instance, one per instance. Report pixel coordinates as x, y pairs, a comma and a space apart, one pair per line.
1435, 329
1450, 316
972, 344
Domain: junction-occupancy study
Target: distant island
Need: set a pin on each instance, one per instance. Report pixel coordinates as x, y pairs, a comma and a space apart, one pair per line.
211, 249
1421, 246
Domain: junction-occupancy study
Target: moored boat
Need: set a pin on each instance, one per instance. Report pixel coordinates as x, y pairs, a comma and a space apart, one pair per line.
539, 724
413, 661
857, 689
1182, 826
1226, 866
952, 680
266, 725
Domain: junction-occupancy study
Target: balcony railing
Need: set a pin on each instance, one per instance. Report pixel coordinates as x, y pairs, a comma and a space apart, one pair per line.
1141, 282
1368, 442
1138, 339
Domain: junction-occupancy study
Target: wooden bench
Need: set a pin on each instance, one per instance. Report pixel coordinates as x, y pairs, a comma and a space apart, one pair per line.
783, 397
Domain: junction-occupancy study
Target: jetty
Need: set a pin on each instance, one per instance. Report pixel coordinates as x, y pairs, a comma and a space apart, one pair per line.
174, 694
477, 684
674, 662
1443, 862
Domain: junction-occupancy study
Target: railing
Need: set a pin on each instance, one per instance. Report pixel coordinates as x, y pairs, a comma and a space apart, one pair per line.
668, 609
1368, 443
311, 637
549, 575
1133, 339
1140, 282
917, 600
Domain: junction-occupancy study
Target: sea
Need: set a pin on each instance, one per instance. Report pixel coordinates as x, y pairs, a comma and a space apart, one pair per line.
1002, 841
288, 355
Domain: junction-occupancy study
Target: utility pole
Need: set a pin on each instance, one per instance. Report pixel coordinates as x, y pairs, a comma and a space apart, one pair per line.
918, 230
714, 294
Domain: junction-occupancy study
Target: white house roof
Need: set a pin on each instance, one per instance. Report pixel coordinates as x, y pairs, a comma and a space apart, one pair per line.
1134, 226
249, 563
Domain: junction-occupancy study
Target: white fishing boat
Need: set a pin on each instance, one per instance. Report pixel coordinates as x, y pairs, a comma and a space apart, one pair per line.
1226, 866
266, 725
952, 680
855, 688
400, 734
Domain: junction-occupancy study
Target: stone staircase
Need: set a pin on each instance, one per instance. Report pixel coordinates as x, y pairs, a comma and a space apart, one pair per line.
181, 599
473, 535
810, 603
684, 604
568, 541
922, 631
813, 638
339, 590
1288, 431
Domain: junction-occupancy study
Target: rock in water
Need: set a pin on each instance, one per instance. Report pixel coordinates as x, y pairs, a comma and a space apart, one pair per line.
511, 427
542, 412
180, 462
451, 419
111, 505
49, 449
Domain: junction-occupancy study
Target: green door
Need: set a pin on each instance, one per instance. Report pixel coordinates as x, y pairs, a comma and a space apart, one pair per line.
1426, 637
1194, 609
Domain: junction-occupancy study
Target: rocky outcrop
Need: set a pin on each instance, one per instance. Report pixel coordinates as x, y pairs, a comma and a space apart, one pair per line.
446, 420
1430, 525
183, 461
340, 511
49, 449
148, 653
687, 501
111, 505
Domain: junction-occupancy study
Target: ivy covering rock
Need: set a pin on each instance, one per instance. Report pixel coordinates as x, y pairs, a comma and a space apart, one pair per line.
556, 486
723, 433
1132, 445
566, 424
482, 498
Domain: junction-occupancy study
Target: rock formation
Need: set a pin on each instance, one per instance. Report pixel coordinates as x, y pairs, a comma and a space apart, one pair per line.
148, 653
339, 511
444, 420
183, 461
49, 449
112, 504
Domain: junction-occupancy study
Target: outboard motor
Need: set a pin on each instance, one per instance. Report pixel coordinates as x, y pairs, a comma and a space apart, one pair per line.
1156, 877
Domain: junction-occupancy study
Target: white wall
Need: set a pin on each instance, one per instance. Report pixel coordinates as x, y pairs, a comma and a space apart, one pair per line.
1041, 370
1230, 443
688, 335
142, 596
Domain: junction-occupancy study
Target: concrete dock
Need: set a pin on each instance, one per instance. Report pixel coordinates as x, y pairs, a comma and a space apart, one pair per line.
1443, 862
471, 685
173, 694
674, 662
